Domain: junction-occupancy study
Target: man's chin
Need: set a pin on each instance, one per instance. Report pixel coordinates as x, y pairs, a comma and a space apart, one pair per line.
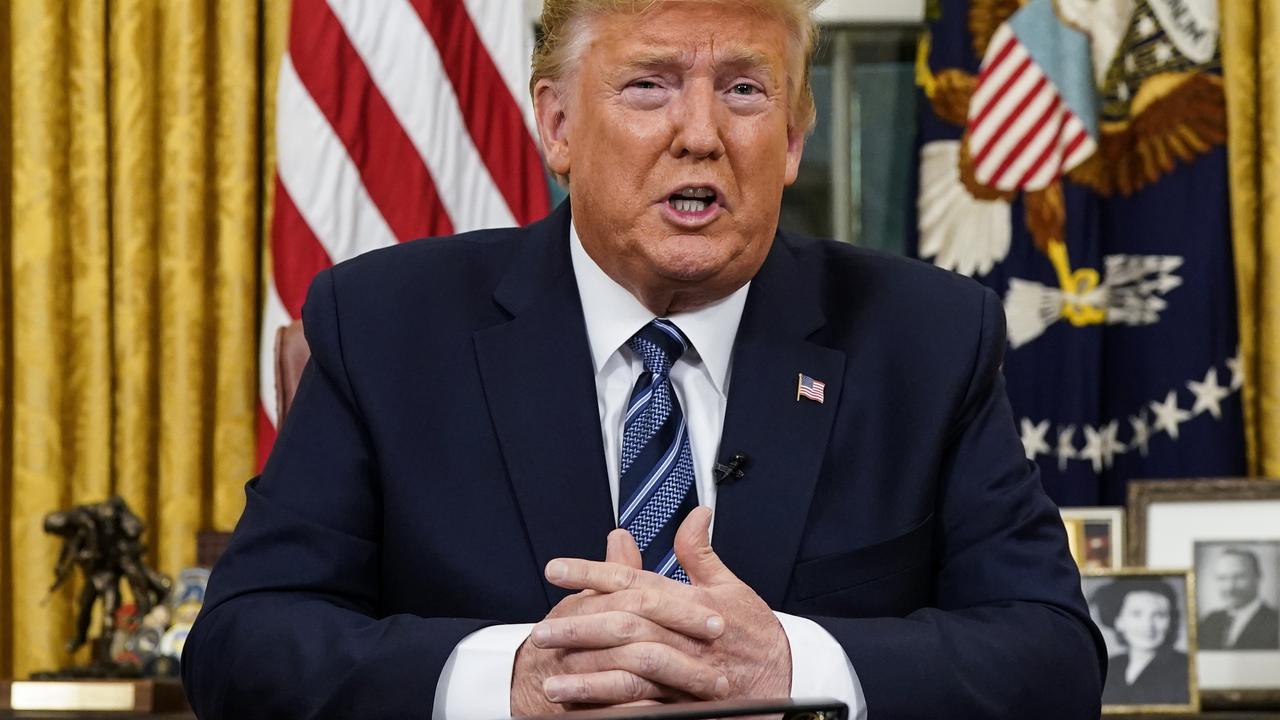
699, 258
688, 275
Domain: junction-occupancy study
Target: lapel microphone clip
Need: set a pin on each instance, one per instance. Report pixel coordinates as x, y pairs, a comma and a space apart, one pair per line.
731, 470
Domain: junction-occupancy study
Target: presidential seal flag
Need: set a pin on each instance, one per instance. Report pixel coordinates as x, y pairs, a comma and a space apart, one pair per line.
1032, 115
395, 120
1072, 158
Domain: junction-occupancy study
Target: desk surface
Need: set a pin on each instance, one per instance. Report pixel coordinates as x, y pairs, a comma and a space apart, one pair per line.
1212, 715
51, 715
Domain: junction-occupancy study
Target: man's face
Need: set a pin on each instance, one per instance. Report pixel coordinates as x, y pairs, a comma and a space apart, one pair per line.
675, 133
1236, 580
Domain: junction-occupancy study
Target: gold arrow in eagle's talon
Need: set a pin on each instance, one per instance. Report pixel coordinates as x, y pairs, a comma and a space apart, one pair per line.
1076, 287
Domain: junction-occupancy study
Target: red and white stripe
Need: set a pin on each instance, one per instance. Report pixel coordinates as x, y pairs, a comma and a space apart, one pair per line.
395, 120
1022, 135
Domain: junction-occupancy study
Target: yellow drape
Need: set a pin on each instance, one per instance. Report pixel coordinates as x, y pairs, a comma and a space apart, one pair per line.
1251, 70
134, 171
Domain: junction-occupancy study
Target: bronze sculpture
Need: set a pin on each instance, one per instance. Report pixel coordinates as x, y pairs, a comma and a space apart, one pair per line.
104, 540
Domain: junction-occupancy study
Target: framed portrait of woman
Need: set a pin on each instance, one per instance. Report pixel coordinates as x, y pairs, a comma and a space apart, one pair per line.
1228, 530
1147, 619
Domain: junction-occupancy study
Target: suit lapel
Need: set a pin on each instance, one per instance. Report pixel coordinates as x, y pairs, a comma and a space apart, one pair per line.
760, 519
539, 383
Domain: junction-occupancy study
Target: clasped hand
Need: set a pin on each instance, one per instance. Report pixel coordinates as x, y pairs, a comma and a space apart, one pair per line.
633, 636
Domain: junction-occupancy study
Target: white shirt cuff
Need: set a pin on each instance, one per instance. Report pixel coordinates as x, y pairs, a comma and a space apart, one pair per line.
476, 679
819, 666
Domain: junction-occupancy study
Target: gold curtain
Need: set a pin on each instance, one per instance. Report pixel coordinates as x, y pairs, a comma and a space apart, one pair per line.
1251, 70
134, 165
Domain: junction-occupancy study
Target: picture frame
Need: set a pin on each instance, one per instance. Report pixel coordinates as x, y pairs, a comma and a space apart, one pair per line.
1152, 667
1096, 536
1168, 521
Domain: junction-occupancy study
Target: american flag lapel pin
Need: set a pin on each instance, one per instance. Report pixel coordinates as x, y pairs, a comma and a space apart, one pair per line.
807, 387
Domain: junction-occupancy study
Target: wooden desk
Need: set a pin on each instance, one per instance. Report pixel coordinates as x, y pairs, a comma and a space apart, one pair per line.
49, 715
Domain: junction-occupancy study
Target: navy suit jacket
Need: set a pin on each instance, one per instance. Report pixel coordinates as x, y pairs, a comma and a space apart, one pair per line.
445, 444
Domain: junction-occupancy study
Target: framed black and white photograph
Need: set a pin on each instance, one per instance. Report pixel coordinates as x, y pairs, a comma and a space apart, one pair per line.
1147, 619
1238, 595
1095, 536
1229, 532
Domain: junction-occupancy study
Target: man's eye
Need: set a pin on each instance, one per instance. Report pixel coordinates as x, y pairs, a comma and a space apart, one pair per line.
744, 89
645, 85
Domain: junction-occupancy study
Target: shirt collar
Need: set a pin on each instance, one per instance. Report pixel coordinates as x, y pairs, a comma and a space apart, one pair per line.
613, 315
1247, 612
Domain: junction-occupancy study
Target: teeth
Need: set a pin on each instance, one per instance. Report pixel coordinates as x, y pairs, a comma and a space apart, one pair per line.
696, 193
689, 206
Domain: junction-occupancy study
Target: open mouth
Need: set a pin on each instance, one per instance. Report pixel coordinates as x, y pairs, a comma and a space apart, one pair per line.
692, 200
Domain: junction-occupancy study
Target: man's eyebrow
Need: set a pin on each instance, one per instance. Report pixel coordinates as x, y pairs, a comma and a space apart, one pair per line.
655, 59
745, 58
742, 56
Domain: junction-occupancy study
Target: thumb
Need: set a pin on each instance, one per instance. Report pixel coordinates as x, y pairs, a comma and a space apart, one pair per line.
621, 548
693, 550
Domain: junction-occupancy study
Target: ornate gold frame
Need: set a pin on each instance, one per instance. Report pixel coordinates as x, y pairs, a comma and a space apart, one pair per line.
1193, 646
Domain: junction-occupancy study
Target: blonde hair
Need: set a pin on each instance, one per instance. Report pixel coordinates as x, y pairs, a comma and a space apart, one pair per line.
563, 35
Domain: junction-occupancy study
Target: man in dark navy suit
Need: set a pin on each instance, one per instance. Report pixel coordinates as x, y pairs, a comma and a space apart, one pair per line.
494, 492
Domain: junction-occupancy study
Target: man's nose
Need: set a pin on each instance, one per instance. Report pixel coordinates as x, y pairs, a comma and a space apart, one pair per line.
697, 126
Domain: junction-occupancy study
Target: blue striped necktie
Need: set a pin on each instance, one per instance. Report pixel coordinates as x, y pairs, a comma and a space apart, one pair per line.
656, 484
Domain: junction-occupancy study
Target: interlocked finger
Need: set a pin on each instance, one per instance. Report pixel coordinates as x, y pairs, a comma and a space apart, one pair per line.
654, 662
606, 577
680, 612
608, 687
639, 703
607, 630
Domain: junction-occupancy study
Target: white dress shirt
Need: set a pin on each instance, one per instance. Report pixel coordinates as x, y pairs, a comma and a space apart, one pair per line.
476, 679
1240, 618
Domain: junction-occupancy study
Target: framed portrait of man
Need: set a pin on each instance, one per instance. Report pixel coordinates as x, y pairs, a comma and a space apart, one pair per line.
1229, 532
1095, 536
1239, 591
1147, 620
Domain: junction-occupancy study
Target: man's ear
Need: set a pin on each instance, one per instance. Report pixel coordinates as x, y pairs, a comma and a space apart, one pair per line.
795, 148
549, 110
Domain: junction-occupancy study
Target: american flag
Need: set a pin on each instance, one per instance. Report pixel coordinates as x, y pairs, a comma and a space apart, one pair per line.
396, 119
1030, 117
815, 390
